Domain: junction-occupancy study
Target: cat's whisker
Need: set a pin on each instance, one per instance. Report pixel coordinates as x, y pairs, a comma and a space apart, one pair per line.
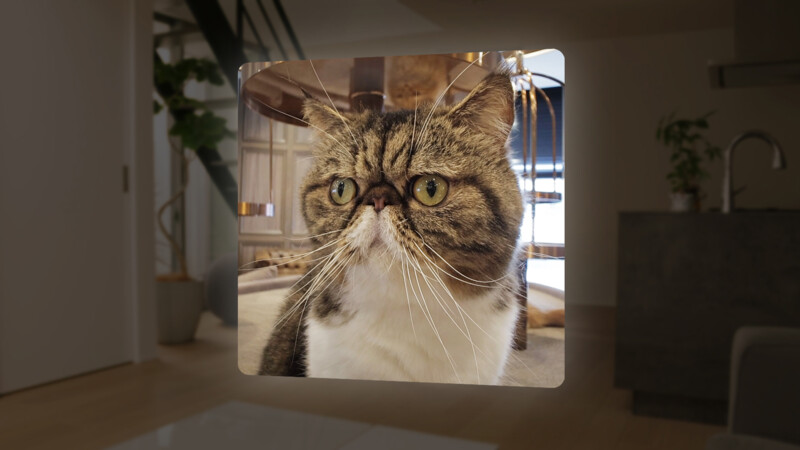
301, 256
295, 259
414, 126
380, 258
326, 274
332, 104
440, 300
281, 264
433, 325
436, 295
447, 290
330, 274
478, 348
243, 266
391, 263
544, 256
413, 291
346, 151
298, 256
330, 258
487, 285
488, 282
441, 96
323, 246
456, 270
408, 300
424, 310
426, 277
323, 275
305, 238
341, 266
298, 259
511, 354
305, 300
315, 267
297, 333
432, 264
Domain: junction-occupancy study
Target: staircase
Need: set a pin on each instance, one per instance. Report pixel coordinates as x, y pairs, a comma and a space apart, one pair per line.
232, 48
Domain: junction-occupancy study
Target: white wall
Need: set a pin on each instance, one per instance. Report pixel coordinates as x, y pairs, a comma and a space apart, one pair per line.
617, 89
140, 283
76, 291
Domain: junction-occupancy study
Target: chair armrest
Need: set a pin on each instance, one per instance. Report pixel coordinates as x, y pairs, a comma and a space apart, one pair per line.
764, 391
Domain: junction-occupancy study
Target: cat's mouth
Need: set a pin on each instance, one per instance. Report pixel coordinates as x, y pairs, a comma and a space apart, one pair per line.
373, 234
377, 242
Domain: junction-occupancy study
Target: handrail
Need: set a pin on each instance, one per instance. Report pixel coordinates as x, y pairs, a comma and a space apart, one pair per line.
241, 12
243, 15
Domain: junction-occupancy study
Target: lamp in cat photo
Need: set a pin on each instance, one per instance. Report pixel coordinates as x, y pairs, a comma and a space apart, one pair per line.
255, 208
526, 91
261, 202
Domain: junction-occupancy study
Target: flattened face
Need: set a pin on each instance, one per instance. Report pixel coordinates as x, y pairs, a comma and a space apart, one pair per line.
432, 185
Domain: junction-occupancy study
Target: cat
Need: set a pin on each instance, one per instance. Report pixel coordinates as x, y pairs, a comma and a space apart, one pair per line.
415, 215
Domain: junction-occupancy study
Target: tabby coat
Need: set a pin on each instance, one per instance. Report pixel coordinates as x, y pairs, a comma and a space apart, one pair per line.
401, 289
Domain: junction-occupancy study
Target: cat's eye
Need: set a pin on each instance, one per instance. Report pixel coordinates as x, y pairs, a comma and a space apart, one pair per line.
430, 190
343, 190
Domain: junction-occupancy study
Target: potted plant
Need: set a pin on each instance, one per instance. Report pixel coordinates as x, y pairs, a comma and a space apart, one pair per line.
689, 147
179, 296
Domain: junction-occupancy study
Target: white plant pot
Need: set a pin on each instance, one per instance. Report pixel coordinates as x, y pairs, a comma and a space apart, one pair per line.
681, 202
179, 306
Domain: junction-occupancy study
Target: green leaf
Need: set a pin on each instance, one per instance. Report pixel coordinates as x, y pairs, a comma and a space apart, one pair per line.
689, 149
180, 102
195, 125
205, 130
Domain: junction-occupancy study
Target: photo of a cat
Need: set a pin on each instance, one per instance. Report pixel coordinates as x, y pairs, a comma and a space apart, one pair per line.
382, 231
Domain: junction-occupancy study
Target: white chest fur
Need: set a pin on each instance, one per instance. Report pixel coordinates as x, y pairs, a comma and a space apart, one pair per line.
411, 329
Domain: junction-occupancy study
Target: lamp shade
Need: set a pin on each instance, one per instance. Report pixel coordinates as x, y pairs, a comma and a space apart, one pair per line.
387, 83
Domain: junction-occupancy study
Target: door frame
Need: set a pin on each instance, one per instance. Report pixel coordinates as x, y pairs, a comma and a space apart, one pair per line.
138, 204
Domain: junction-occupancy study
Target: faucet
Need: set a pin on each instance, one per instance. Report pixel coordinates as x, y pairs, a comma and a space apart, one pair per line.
778, 162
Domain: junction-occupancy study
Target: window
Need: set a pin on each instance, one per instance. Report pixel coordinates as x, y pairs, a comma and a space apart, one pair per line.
546, 227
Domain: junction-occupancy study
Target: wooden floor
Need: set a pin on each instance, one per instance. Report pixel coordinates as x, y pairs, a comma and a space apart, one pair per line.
586, 412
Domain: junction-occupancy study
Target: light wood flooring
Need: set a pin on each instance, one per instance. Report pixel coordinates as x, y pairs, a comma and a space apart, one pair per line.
586, 412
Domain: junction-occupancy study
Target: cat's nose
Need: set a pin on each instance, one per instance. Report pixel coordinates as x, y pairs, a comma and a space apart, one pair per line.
379, 203
381, 196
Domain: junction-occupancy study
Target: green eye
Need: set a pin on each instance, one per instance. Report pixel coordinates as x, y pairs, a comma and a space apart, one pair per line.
429, 190
343, 190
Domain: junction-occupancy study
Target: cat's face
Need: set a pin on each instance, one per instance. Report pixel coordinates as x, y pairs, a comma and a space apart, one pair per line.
429, 187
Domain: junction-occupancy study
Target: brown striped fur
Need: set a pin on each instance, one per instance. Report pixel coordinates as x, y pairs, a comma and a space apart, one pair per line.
475, 229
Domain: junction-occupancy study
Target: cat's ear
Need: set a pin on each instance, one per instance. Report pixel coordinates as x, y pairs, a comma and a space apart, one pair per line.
322, 116
489, 108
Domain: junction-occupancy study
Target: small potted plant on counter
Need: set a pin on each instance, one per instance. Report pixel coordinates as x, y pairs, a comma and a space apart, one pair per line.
684, 137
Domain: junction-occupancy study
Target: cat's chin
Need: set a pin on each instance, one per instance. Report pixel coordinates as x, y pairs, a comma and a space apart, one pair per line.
377, 242
378, 245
